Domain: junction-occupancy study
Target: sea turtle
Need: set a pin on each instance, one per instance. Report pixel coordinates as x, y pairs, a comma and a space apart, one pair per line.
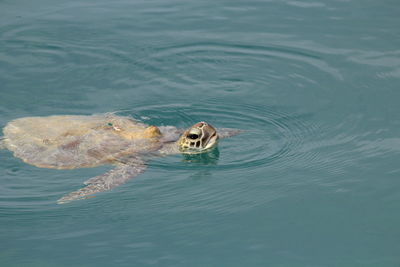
79, 141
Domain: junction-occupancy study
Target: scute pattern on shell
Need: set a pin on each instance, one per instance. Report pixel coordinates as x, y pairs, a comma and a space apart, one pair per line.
69, 141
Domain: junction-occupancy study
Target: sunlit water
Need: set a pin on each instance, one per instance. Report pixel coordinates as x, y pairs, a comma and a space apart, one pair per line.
314, 180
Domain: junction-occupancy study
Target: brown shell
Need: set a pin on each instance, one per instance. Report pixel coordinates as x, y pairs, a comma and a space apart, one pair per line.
68, 141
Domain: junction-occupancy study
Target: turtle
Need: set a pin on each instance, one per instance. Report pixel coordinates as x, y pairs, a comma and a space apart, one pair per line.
83, 141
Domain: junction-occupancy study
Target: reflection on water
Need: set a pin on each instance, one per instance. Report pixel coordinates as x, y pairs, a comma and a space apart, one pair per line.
207, 158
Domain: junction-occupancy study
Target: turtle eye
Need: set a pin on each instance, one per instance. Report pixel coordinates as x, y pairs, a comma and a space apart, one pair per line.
193, 136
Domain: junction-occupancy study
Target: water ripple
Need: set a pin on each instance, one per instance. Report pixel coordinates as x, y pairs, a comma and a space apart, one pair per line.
270, 137
212, 52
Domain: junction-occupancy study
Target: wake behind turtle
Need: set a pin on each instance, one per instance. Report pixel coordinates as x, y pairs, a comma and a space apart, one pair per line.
77, 141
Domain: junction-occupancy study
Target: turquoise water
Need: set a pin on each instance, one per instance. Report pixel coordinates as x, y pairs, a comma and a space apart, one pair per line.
314, 181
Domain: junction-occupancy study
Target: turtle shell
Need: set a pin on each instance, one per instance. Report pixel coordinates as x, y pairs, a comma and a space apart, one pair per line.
68, 141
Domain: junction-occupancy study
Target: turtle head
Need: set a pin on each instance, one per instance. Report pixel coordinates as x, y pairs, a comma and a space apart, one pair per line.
198, 138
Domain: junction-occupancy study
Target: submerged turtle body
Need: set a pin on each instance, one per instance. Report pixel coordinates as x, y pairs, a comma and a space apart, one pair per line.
74, 141
68, 142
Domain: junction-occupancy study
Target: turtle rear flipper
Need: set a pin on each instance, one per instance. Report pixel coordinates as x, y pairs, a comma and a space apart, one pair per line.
104, 182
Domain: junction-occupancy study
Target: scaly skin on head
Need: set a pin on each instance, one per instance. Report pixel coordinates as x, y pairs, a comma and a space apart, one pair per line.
198, 138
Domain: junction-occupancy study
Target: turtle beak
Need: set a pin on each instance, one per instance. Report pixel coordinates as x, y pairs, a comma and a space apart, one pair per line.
198, 138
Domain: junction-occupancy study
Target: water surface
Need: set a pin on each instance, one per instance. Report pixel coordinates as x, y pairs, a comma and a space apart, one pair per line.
313, 181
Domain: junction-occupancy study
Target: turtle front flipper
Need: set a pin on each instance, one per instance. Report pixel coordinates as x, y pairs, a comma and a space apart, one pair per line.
113, 178
228, 132
2, 144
